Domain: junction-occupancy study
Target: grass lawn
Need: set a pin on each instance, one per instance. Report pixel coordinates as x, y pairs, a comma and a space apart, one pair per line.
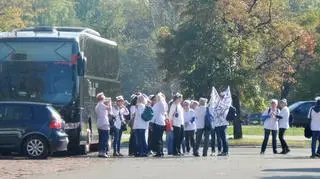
259, 130
258, 142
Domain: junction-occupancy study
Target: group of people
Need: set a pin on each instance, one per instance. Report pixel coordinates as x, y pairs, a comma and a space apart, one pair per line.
277, 119
183, 122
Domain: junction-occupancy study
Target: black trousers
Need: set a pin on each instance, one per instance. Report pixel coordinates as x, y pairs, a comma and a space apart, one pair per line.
157, 135
266, 138
132, 143
150, 138
189, 138
177, 139
199, 134
284, 144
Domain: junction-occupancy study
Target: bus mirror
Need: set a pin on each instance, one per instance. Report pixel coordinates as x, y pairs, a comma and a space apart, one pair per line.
81, 65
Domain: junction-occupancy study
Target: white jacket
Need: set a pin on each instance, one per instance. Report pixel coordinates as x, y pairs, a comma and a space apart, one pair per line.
188, 124
179, 120
160, 110
200, 114
315, 120
139, 123
271, 122
119, 116
285, 114
102, 116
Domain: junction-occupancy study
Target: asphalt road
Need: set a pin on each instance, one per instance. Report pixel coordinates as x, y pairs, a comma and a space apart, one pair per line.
242, 163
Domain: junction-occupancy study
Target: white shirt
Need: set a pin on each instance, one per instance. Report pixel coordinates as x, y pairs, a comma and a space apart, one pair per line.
315, 120
271, 122
102, 116
200, 114
285, 114
188, 124
177, 121
119, 116
159, 113
132, 111
139, 123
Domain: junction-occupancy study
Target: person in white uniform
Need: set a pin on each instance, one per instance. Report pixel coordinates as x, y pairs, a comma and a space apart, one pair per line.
119, 111
176, 116
103, 109
314, 115
189, 125
283, 125
140, 126
160, 112
271, 126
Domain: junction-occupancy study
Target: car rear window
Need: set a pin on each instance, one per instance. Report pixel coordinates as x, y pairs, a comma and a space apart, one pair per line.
55, 114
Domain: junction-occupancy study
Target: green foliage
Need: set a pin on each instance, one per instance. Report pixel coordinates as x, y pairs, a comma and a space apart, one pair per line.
262, 49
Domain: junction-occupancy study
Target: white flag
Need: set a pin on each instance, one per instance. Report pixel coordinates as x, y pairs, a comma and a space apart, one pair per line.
227, 98
215, 98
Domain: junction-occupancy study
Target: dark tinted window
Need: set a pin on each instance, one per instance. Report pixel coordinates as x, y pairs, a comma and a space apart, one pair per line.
304, 109
2, 113
36, 51
18, 112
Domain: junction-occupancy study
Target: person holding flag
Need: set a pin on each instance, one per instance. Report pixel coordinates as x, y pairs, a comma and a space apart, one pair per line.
222, 106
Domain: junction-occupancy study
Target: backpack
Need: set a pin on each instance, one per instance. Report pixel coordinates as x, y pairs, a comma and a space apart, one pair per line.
208, 119
231, 116
147, 114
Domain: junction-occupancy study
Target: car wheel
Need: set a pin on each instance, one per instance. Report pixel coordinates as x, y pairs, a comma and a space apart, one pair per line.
36, 147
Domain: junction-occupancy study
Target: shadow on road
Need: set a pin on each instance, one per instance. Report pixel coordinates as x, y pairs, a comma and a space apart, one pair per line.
293, 170
291, 177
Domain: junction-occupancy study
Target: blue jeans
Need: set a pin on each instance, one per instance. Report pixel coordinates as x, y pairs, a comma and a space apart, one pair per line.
266, 138
103, 140
117, 140
315, 137
169, 142
222, 134
141, 143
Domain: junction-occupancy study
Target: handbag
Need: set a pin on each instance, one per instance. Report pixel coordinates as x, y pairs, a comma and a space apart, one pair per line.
168, 125
123, 124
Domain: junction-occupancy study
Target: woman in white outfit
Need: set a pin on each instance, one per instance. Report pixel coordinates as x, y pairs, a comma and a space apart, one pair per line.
270, 126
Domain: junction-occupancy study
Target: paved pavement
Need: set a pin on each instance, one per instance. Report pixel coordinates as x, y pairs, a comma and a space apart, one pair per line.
242, 163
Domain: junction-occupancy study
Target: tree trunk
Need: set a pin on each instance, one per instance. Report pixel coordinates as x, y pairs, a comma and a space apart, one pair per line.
237, 127
286, 87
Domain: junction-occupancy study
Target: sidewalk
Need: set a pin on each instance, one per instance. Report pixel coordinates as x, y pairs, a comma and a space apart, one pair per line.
125, 137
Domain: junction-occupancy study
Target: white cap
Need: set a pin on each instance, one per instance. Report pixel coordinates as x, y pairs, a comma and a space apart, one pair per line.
99, 95
119, 98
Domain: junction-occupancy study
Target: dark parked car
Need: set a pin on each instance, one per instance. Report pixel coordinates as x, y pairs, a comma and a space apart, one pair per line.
299, 113
32, 129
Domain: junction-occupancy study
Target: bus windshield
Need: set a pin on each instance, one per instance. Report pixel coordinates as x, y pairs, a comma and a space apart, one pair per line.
50, 82
36, 51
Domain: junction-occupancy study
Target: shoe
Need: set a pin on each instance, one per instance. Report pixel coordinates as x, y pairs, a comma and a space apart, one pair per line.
275, 152
158, 155
115, 154
223, 154
283, 152
144, 155
287, 151
120, 155
103, 155
196, 155
313, 156
213, 154
261, 153
204, 155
